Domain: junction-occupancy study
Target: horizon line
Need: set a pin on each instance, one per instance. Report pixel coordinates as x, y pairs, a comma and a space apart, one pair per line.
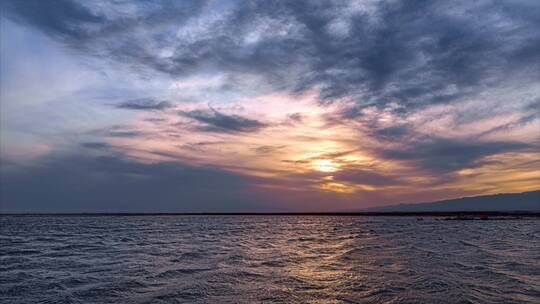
333, 213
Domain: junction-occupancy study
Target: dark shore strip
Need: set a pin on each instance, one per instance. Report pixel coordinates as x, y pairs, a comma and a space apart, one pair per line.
447, 215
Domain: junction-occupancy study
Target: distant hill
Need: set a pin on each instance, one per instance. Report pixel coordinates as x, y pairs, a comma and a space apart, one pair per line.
525, 201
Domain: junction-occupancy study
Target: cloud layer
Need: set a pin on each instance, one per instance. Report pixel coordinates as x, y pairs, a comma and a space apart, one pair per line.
143, 104
214, 121
378, 52
355, 101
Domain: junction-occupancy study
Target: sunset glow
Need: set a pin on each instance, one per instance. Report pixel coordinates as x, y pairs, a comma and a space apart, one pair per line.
213, 110
325, 165
269, 151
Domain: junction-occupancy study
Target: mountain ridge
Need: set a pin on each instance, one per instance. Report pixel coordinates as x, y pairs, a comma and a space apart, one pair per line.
522, 201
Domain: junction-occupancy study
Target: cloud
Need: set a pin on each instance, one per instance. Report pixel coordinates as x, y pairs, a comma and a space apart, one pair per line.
96, 145
442, 155
410, 90
155, 120
64, 20
215, 121
365, 177
115, 183
114, 133
82, 182
393, 132
294, 118
266, 149
415, 53
143, 104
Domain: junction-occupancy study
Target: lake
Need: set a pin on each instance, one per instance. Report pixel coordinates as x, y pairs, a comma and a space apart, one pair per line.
268, 259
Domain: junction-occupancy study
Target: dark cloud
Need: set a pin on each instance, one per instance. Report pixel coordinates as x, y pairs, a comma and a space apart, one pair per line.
267, 149
82, 183
215, 121
412, 52
85, 28
365, 177
96, 145
296, 117
155, 120
62, 19
392, 133
529, 113
200, 146
114, 131
448, 155
144, 104
526, 119
117, 133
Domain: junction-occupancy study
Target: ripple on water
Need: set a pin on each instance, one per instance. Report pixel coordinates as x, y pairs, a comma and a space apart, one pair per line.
271, 259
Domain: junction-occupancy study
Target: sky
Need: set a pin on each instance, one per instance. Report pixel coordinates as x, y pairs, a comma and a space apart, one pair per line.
254, 106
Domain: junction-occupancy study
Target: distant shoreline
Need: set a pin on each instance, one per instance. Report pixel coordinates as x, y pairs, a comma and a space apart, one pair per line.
417, 214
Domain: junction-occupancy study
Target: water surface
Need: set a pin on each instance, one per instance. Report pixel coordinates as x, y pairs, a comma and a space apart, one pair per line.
270, 259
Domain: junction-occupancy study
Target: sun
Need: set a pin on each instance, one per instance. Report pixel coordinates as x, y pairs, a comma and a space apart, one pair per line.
325, 165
